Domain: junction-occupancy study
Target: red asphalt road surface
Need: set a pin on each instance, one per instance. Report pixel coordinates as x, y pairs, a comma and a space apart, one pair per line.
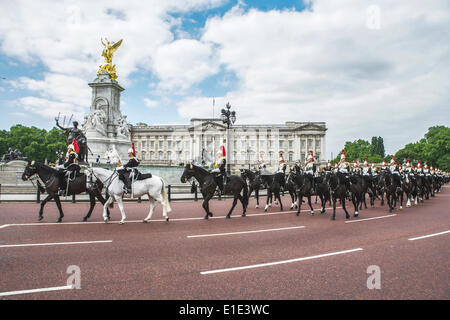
158, 260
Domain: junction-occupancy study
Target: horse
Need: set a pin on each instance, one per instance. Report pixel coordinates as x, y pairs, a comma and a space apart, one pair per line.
208, 187
357, 191
409, 188
367, 188
322, 190
392, 183
304, 188
254, 183
50, 177
338, 190
274, 183
292, 189
152, 186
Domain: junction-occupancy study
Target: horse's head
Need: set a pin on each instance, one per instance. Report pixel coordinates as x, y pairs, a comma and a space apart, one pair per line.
91, 178
29, 171
189, 172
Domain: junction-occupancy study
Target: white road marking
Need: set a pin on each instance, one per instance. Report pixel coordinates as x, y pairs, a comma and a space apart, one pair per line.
11, 293
140, 221
4, 226
429, 235
280, 262
359, 220
52, 244
243, 232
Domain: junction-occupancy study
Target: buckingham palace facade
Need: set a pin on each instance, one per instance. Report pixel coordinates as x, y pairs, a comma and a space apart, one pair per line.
201, 138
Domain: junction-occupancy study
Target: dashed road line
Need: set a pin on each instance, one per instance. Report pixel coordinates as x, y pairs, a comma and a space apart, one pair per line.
382, 217
12, 293
429, 235
280, 262
243, 232
52, 244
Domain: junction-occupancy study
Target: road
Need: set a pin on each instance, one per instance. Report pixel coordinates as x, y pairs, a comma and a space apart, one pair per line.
273, 255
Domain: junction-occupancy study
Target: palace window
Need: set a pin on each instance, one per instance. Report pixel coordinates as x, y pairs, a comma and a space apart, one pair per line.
291, 143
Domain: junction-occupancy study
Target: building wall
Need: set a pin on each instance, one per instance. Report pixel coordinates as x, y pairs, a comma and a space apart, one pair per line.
172, 145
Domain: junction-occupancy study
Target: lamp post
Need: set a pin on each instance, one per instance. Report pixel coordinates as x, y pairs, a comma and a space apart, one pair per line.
228, 118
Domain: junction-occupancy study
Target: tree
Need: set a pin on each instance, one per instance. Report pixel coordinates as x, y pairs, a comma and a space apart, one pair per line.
360, 149
34, 143
434, 148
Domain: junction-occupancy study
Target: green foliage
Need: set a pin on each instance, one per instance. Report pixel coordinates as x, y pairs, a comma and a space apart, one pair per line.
360, 149
434, 148
34, 143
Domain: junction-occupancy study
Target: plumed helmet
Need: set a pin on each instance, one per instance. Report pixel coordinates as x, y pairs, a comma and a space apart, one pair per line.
130, 151
70, 146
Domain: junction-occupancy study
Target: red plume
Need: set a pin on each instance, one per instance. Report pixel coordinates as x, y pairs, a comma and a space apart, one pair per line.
134, 150
310, 151
222, 148
75, 145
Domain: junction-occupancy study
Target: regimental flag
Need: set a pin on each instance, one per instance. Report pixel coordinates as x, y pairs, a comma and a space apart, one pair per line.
75, 146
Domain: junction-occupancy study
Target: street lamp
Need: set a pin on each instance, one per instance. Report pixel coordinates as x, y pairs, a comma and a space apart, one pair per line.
228, 118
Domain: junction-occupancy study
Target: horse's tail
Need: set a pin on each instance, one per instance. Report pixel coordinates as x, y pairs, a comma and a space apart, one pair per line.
245, 194
165, 197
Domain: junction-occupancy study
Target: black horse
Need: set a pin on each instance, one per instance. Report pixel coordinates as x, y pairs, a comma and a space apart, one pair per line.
274, 183
291, 187
254, 183
304, 189
338, 190
392, 184
50, 177
323, 190
409, 188
357, 191
208, 187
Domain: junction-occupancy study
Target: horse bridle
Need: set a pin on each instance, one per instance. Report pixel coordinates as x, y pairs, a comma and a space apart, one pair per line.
106, 183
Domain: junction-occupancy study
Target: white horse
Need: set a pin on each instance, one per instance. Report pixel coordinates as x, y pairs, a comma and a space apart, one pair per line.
153, 187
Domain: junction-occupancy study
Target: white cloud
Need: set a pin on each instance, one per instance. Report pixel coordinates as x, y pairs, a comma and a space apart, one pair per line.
65, 37
151, 103
326, 65
182, 63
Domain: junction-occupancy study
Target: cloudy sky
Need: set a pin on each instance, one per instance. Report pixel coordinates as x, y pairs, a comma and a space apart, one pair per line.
366, 68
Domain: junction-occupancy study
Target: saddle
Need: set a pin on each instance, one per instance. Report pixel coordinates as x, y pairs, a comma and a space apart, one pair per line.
138, 175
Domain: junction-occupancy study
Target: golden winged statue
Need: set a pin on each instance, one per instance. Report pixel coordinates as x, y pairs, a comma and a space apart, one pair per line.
108, 54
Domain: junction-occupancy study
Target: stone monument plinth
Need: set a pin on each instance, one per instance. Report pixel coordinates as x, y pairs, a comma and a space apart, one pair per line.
105, 127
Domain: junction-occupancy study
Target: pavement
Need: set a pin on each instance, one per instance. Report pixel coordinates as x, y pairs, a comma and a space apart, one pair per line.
265, 255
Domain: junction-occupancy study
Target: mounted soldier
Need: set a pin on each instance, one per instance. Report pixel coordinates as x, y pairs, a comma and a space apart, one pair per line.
129, 168
393, 166
384, 165
310, 169
219, 172
356, 169
282, 164
408, 168
343, 163
328, 166
69, 169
